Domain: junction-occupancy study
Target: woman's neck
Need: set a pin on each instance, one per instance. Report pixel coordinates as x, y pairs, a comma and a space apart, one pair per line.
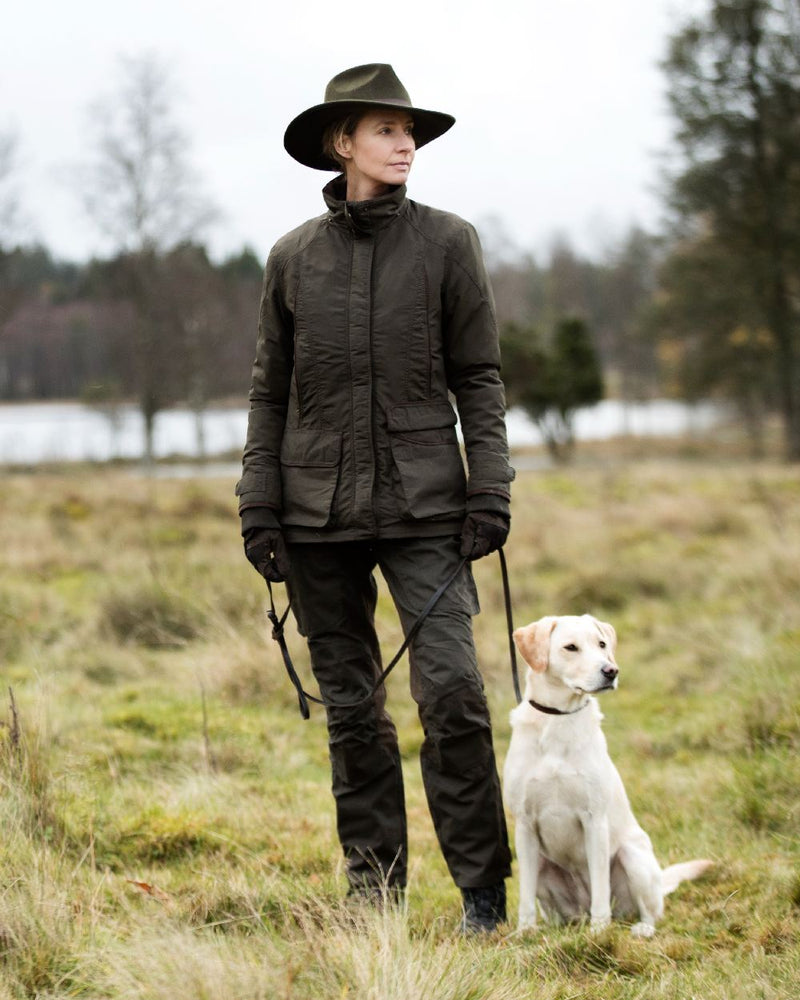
365, 189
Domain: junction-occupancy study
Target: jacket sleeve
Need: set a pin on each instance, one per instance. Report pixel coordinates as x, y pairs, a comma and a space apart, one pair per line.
260, 485
473, 368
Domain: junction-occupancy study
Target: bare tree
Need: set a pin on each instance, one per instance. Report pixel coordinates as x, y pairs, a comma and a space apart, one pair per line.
142, 192
139, 187
10, 291
199, 304
8, 195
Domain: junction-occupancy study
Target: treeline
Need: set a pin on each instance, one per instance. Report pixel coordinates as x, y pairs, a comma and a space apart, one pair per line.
178, 328
709, 308
73, 330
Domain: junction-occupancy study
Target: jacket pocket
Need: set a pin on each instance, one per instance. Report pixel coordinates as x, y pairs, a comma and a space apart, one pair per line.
428, 458
309, 474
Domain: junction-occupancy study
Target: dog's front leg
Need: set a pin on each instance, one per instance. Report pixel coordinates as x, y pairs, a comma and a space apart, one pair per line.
599, 860
528, 858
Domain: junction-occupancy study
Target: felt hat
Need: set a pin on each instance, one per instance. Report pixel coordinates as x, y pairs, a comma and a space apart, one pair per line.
362, 88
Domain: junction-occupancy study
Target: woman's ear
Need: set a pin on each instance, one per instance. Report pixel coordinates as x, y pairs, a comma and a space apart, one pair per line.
343, 147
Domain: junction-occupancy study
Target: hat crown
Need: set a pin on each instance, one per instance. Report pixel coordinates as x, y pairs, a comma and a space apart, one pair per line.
372, 82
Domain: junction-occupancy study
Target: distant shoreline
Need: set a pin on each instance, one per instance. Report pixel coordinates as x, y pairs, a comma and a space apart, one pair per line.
33, 433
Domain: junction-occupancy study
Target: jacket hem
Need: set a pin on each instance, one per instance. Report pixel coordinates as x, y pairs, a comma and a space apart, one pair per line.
419, 529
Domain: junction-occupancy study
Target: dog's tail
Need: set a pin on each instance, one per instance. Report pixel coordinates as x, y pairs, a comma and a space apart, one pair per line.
672, 877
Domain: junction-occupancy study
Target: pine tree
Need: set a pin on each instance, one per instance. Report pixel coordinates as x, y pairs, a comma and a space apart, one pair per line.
734, 90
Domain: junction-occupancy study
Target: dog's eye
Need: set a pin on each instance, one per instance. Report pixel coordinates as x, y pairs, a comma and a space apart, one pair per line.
571, 647
602, 644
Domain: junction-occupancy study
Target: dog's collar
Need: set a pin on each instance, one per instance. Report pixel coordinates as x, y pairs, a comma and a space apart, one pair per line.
548, 710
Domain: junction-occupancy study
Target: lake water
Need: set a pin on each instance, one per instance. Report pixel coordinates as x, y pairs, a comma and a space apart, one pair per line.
70, 432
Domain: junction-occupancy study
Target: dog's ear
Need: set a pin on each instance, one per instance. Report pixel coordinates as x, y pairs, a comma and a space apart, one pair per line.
533, 642
609, 634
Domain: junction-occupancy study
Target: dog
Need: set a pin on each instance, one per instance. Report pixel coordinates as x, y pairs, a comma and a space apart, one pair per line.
580, 851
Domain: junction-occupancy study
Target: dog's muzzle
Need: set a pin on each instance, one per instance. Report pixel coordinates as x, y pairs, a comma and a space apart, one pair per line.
609, 674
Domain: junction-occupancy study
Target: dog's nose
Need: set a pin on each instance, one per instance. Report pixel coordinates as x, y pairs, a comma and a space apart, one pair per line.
609, 671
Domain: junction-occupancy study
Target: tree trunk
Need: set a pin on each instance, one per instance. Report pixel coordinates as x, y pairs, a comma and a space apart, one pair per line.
200, 432
149, 428
787, 369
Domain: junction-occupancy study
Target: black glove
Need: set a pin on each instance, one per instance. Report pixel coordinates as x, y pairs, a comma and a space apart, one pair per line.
483, 532
266, 550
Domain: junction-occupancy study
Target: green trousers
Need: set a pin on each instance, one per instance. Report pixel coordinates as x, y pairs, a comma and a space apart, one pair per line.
334, 595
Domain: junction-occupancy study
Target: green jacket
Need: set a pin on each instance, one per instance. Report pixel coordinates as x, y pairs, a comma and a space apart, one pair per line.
371, 315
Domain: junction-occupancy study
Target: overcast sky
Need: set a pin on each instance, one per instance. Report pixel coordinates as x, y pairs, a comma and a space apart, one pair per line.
559, 105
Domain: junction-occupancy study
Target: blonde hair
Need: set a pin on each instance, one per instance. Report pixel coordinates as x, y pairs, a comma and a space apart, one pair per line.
334, 134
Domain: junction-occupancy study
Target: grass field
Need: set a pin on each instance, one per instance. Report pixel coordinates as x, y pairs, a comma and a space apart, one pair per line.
167, 827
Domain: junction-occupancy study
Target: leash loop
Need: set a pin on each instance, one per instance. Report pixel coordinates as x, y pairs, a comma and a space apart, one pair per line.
278, 636
303, 696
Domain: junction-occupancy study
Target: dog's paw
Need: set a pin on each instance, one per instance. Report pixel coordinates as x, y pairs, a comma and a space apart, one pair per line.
643, 930
599, 924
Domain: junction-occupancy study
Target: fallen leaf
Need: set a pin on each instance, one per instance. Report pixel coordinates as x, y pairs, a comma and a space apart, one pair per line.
150, 890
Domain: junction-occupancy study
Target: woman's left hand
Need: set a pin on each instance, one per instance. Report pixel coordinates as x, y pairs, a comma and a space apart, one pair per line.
483, 532
266, 550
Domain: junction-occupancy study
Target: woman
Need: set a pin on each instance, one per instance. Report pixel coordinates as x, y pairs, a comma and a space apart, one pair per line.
371, 315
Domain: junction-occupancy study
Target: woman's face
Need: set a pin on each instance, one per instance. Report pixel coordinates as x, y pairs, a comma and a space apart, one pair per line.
378, 154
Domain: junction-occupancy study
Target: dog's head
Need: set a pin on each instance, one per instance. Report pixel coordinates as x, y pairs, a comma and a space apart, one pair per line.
575, 650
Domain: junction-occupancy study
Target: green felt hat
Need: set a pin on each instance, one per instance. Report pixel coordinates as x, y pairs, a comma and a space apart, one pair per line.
362, 88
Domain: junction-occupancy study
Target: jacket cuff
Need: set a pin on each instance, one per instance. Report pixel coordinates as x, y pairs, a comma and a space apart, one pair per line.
258, 517
496, 503
489, 474
259, 487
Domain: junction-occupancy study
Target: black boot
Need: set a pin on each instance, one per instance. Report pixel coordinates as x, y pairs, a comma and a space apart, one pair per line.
484, 909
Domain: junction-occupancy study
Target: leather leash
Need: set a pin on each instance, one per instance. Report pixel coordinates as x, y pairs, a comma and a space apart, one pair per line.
303, 697
512, 646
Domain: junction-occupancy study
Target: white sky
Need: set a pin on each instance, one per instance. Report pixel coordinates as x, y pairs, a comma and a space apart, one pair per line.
559, 105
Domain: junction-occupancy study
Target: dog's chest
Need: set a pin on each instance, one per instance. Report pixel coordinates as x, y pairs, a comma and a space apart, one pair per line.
542, 766
555, 782
559, 796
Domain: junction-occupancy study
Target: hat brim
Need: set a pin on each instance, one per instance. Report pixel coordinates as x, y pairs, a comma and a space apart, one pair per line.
303, 138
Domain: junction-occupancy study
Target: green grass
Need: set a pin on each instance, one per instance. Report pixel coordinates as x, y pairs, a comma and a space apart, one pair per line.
167, 827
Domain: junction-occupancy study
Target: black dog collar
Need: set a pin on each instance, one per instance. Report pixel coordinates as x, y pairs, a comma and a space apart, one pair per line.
555, 711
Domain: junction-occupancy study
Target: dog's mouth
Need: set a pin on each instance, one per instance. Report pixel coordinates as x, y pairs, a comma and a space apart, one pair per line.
606, 686
602, 684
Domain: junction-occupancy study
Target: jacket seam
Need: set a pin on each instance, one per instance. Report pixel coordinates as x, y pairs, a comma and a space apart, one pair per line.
445, 247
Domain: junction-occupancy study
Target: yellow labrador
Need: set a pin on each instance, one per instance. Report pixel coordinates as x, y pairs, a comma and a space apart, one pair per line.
579, 848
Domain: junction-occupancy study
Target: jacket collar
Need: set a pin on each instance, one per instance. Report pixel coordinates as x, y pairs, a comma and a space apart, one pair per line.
363, 217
